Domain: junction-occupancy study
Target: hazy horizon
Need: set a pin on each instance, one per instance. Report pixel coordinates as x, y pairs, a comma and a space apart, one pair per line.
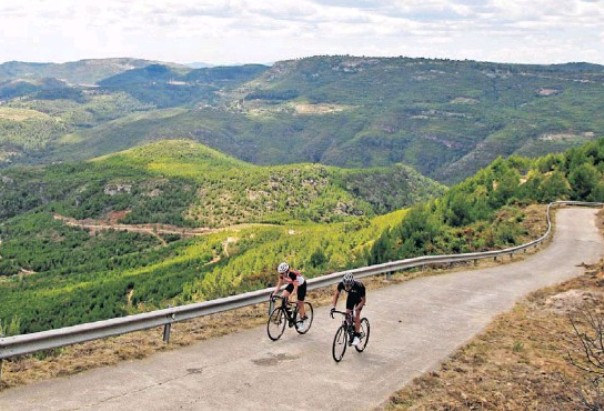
238, 32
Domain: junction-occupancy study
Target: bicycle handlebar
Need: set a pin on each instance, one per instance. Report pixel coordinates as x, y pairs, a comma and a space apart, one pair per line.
338, 312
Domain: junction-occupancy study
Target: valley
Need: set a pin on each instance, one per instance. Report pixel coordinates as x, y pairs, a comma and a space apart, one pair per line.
445, 118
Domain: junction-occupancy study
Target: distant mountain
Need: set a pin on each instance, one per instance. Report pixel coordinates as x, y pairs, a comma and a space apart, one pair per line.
86, 72
445, 118
10, 89
226, 74
166, 86
137, 76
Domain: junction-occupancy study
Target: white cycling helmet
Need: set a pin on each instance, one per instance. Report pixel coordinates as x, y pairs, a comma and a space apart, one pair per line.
348, 279
283, 268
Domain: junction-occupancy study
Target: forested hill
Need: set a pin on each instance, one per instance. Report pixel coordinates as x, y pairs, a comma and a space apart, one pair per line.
172, 213
482, 212
445, 118
183, 183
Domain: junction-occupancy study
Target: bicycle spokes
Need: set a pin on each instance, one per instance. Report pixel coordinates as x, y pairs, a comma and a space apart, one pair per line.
340, 341
276, 324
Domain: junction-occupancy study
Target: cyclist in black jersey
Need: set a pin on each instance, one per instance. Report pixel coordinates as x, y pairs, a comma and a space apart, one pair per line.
355, 301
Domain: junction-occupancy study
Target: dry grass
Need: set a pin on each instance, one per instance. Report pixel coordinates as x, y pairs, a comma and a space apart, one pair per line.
18, 114
520, 362
76, 358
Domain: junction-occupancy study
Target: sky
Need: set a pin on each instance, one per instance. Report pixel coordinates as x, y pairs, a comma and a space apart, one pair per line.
261, 31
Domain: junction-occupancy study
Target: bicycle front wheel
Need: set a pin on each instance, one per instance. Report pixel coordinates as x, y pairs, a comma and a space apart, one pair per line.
364, 335
276, 324
302, 326
340, 341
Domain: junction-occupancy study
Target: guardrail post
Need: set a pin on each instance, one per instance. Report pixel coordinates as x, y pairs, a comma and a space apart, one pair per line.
167, 328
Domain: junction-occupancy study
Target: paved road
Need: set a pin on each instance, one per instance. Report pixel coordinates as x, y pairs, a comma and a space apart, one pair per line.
415, 326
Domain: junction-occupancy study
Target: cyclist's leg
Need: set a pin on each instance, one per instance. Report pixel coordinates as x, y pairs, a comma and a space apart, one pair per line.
286, 293
350, 303
301, 296
357, 320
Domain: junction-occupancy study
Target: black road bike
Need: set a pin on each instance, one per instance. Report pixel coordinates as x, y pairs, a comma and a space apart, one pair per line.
286, 315
345, 335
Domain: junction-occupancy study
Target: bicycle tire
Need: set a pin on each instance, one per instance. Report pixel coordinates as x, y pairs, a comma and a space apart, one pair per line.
308, 322
365, 330
275, 326
340, 341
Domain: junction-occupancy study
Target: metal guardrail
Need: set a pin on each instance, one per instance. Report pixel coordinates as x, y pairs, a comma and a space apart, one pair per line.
29, 343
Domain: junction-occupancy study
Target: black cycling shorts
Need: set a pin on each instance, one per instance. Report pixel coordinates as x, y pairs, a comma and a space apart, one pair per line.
352, 300
301, 290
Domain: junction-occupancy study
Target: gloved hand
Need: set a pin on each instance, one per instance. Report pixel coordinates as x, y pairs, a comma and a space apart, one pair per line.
333, 309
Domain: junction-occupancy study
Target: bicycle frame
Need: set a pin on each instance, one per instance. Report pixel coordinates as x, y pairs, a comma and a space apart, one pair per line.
347, 322
345, 335
284, 315
290, 314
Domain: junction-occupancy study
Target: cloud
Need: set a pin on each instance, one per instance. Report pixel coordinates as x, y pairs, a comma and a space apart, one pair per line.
261, 30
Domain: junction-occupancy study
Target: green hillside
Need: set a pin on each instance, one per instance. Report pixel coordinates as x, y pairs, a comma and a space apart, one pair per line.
482, 212
212, 189
445, 118
53, 273
57, 274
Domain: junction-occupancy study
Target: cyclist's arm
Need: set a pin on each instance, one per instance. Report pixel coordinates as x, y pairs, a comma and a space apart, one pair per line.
295, 290
278, 285
361, 303
336, 295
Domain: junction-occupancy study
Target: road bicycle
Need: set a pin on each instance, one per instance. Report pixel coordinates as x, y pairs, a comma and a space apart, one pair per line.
284, 314
345, 335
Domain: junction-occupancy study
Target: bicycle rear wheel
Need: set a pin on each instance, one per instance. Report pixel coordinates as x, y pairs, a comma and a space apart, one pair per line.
303, 326
340, 341
276, 324
364, 335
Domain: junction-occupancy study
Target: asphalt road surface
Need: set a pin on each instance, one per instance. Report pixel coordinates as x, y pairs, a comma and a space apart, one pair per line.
414, 327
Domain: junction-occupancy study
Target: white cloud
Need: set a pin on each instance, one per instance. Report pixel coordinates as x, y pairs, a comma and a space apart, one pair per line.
236, 31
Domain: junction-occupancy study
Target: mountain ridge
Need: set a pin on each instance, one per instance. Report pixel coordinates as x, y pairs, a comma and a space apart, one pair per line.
445, 118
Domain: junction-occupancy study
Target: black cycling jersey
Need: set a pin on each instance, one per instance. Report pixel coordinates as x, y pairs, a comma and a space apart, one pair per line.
357, 289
